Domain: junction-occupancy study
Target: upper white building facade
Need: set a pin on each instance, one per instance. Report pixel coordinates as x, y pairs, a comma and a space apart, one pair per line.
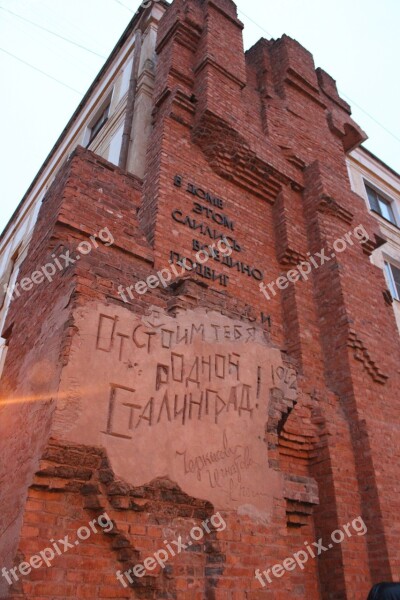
379, 187
113, 120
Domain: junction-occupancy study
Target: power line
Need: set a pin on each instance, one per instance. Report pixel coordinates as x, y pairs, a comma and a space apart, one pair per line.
118, 2
63, 51
40, 71
102, 56
370, 116
255, 23
64, 19
341, 93
51, 32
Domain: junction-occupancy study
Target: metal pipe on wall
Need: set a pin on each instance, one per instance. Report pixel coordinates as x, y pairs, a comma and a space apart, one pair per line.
130, 103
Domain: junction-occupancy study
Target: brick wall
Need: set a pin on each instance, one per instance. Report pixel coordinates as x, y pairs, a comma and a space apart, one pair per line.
265, 135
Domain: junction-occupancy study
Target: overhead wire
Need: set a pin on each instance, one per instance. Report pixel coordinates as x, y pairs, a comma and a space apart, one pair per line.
370, 116
255, 23
40, 71
342, 93
102, 56
52, 32
58, 20
61, 53
122, 4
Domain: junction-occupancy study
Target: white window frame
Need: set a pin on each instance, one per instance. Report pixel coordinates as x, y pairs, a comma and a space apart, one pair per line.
386, 198
88, 132
125, 79
114, 150
11, 275
390, 277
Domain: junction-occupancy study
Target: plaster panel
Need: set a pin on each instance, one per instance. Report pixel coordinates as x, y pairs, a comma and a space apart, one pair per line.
183, 397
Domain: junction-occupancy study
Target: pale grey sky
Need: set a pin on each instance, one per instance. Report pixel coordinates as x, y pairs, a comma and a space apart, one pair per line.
356, 42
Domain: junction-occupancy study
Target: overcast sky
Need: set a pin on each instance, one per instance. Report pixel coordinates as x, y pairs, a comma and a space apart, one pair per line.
356, 42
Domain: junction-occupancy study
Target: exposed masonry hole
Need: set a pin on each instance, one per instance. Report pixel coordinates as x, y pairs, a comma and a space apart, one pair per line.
284, 418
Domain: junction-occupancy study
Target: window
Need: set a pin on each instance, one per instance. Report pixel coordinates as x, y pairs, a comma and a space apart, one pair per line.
99, 123
380, 205
393, 275
5, 281
126, 75
115, 146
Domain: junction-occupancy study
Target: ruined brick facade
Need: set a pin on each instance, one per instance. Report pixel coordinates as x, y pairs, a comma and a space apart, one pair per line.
250, 145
